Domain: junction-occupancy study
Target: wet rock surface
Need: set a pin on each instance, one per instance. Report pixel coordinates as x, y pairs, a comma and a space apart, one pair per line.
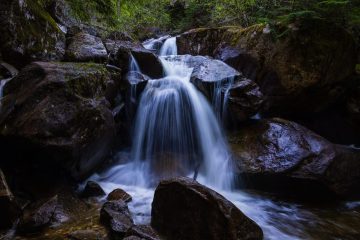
119, 194
274, 153
184, 209
38, 215
115, 215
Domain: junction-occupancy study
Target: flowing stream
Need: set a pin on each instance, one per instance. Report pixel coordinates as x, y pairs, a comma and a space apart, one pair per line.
177, 133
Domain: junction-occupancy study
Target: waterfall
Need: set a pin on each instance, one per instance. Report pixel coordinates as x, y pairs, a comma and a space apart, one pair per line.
176, 131
169, 47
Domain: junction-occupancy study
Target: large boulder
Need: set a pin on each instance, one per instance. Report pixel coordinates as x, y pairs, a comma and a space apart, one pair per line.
122, 51
57, 113
305, 69
8, 207
184, 209
276, 154
29, 33
84, 47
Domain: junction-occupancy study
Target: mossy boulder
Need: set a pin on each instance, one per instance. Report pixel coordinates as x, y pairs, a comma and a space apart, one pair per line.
300, 68
58, 113
29, 33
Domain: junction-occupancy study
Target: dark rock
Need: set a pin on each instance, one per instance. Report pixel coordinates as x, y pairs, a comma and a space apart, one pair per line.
116, 216
184, 209
244, 100
28, 33
84, 47
38, 215
119, 194
121, 52
9, 209
92, 189
293, 80
56, 114
7, 71
61, 12
86, 235
144, 232
277, 154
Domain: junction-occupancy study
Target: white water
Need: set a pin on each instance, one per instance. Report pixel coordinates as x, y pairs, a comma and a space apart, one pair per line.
173, 117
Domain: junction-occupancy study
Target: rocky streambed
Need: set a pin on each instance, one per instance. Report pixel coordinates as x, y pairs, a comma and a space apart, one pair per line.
288, 107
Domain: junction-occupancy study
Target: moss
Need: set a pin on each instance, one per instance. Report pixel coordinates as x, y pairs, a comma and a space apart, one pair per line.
38, 9
101, 13
357, 68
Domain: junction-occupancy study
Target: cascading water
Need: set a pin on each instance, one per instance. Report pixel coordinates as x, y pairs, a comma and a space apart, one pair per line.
176, 132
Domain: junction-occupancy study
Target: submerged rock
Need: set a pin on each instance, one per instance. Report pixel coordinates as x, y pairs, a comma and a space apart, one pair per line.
57, 114
305, 70
38, 215
84, 47
92, 189
9, 209
184, 209
119, 194
276, 154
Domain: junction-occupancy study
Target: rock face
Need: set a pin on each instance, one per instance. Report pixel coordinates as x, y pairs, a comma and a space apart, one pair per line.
8, 207
121, 52
305, 70
273, 151
84, 47
38, 216
28, 33
57, 113
184, 209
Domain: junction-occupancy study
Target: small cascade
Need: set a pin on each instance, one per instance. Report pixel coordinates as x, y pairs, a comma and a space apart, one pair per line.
2, 85
176, 131
220, 97
133, 68
169, 47
155, 44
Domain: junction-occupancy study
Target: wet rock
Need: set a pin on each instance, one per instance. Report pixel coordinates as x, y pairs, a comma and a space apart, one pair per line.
84, 47
38, 215
86, 235
184, 209
29, 33
244, 100
56, 114
9, 209
92, 189
207, 73
277, 154
121, 52
115, 215
142, 232
119, 194
293, 80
